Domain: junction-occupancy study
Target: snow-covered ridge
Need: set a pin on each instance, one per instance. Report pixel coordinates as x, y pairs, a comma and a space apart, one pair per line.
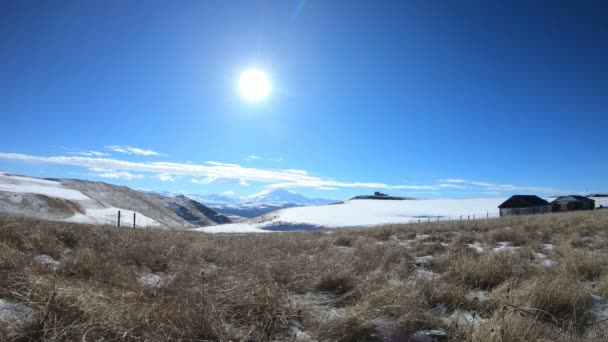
83, 201
69, 204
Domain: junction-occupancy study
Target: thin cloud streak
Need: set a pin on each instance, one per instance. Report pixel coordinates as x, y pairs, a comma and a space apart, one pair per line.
134, 150
493, 188
119, 175
90, 154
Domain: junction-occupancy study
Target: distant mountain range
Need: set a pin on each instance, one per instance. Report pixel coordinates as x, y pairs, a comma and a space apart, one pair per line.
258, 204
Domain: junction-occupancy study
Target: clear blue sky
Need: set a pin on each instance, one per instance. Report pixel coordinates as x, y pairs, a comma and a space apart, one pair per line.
424, 98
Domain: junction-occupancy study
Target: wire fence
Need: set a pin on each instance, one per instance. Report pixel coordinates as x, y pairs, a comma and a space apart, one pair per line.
122, 219
468, 217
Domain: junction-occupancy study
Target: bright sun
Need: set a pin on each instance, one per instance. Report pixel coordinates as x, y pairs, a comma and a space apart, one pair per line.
254, 85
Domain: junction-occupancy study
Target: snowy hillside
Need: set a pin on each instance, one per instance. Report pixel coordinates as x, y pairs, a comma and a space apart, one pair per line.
98, 203
50, 199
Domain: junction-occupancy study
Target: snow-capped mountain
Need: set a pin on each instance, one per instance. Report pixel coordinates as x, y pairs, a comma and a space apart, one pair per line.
280, 195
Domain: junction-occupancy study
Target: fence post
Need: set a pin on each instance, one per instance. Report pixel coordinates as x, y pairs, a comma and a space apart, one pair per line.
119, 219
429, 220
473, 216
133, 220
418, 220
460, 217
468, 217
487, 214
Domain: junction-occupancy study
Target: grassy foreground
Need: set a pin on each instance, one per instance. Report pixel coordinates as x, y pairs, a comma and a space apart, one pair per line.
381, 284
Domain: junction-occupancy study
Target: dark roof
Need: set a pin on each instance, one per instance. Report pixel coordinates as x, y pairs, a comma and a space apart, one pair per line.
523, 201
572, 198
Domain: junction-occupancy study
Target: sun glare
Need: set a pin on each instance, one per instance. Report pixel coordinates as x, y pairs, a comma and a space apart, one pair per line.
254, 85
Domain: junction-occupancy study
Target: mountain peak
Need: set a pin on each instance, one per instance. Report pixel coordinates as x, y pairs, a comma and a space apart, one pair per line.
274, 192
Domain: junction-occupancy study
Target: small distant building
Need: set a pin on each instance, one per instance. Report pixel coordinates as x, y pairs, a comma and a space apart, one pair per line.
572, 203
524, 205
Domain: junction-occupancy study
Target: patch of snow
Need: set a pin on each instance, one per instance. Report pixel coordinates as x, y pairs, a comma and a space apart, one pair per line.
599, 308
422, 236
321, 298
16, 317
464, 318
232, 228
504, 246
549, 263
321, 303
330, 312
156, 279
426, 274
387, 329
344, 248
477, 295
476, 246
548, 247
47, 260
423, 260
434, 335
300, 335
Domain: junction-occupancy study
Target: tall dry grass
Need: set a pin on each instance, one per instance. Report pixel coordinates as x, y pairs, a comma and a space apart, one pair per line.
337, 285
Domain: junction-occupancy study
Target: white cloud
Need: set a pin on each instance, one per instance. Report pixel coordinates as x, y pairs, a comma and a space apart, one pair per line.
229, 193
211, 171
297, 172
326, 188
133, 150
165, 177
453, 180
507, 187
119, 175
451, 186
253, 157
90, 154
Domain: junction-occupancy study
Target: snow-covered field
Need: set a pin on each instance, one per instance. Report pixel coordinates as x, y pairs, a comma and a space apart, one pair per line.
365, 213
359, 213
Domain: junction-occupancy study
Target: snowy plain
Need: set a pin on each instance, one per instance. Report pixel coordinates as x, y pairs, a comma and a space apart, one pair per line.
359, 213
368, 213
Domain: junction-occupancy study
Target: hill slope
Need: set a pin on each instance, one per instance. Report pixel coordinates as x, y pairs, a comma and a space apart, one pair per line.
97, 202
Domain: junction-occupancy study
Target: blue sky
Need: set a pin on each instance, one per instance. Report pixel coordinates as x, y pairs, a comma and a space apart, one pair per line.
422, 98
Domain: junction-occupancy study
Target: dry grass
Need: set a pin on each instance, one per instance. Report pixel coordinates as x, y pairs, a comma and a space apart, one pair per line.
339, 285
